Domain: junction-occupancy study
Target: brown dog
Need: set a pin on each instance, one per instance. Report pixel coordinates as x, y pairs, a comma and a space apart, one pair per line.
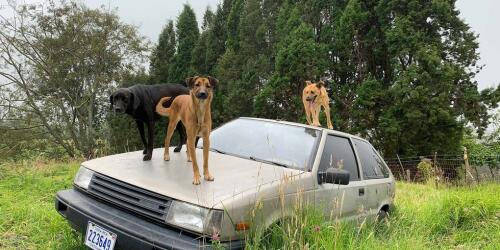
193, 111
314, 96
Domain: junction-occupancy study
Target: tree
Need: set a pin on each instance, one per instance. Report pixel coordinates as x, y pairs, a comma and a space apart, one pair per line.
59, 65
162, 57
200, 62
216, 39
299, 58
187, 37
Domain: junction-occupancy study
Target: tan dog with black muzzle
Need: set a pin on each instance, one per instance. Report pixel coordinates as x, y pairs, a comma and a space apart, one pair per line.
314, 96
193, 111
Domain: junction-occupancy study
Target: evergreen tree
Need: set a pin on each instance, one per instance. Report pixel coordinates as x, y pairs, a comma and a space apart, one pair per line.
216, 39
187, 37
233, 21
400, 73
298, 59
163, 55
200, 62
252, 65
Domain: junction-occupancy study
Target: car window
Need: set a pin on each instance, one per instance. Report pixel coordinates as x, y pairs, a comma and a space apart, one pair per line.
373, 166
289, 145
338, 153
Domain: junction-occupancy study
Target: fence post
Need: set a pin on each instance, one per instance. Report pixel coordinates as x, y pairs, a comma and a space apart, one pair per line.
467, 167
408, 178
401, 165
436, 174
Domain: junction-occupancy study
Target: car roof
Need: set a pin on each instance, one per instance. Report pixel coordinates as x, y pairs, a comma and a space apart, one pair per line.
331, 131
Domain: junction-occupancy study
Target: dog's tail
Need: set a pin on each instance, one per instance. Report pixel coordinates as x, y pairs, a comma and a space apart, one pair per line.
162, 110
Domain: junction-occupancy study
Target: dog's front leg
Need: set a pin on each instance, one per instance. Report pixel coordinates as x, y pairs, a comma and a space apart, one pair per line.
328, 119
151, 130
140, 127
315, 114
192, 153
308, 113
206, 148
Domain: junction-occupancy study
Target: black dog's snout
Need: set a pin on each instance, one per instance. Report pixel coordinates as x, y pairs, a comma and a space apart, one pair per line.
117, 109
202, 95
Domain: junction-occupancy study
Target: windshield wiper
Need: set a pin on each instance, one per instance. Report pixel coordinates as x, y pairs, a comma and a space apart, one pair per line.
217, 151
253, 158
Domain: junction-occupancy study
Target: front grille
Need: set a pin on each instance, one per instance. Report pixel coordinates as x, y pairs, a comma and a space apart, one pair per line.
129, 197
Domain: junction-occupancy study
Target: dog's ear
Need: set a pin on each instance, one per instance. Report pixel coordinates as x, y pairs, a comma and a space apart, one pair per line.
134, 101
190, 81
308, 83
320, 84
111, 102
213, 82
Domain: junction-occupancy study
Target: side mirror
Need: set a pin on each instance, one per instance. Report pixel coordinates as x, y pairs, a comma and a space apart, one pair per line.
334, 176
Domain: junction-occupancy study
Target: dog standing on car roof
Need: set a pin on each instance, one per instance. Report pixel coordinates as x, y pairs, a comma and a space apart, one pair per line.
194, 112
314, 96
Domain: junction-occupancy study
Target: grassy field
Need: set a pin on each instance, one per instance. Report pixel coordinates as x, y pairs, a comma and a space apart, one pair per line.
424, 217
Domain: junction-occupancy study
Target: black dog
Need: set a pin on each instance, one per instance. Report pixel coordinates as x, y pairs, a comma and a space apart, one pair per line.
139, 101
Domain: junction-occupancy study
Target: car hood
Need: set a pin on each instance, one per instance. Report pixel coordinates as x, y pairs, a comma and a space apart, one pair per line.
233, 175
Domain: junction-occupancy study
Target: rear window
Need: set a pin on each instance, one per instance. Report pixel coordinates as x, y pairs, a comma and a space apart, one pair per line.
373, 166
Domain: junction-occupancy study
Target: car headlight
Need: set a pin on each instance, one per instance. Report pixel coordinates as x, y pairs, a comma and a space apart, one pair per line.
194, 218
83, 177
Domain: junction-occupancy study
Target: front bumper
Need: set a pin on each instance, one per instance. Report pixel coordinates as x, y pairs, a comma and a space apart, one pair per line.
133, 232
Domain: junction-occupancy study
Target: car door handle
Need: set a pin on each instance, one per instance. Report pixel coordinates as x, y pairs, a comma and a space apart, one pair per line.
361, 191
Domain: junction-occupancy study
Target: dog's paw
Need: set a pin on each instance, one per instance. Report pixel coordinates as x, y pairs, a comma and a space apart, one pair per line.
177, 149
208, 177
166, 157
330, 127
196, 180
147, 157
145, 151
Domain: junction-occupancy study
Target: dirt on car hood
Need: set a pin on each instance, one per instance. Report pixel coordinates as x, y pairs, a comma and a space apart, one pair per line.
233, 175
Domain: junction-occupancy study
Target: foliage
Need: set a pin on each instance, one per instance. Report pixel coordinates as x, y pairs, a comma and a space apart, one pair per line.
59, 64
163, 55
482, 151
399, 73
423, 217
187, 36
29, 220
425, 169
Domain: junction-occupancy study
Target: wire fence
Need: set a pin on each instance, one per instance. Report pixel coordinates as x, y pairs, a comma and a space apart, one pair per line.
451, 169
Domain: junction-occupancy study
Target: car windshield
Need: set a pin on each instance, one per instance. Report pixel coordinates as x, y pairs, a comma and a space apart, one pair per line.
269, 142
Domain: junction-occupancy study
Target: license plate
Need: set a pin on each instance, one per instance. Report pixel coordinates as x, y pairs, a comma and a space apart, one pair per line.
99, 238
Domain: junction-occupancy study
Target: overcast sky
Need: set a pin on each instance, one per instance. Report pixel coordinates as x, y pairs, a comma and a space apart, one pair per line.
151, 15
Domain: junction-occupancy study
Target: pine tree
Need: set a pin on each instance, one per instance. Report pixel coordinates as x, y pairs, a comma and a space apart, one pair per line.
200, 62
216, 39
187, 37
299, 58
163, 55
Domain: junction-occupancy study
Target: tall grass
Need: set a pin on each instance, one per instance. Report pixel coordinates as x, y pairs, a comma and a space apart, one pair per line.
28, 219
423, 218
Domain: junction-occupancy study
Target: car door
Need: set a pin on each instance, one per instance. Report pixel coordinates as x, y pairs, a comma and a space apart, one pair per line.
340, 200
375, 175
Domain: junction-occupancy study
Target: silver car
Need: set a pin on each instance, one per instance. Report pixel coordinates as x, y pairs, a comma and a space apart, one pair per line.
262, 168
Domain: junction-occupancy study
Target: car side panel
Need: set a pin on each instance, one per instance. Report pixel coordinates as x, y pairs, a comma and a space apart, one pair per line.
339, 201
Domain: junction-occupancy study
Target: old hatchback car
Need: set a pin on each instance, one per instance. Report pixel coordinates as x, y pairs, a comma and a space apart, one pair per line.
120, 201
